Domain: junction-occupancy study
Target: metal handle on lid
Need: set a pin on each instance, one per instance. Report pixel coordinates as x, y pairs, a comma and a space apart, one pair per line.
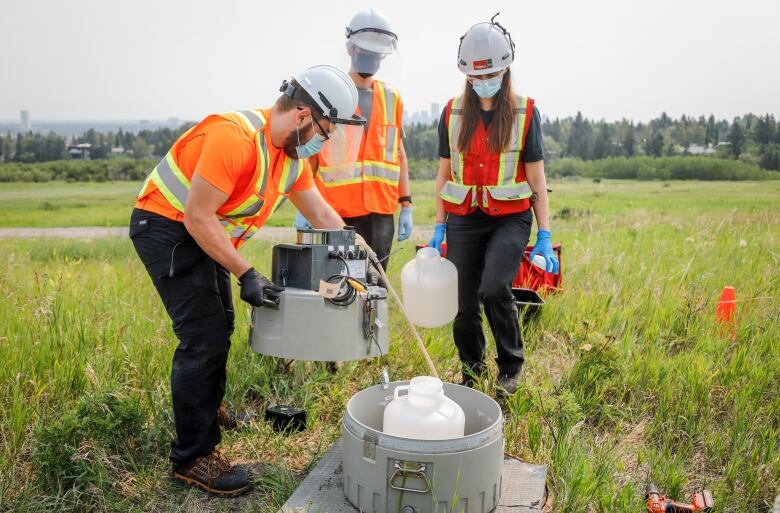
410, 469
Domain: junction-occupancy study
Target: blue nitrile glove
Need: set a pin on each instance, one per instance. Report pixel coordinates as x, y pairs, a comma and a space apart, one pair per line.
405, 224
438, 236
301, 223
543, 247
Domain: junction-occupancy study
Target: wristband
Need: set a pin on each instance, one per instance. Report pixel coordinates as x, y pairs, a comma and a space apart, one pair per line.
404, 198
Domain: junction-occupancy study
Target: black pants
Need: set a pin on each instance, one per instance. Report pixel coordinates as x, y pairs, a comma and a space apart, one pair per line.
378, 230
487, 252
197, 296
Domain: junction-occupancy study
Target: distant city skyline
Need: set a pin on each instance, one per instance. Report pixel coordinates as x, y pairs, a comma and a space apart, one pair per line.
610, 59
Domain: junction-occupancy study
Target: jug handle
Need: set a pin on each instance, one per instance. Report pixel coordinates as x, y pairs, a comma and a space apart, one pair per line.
400, 388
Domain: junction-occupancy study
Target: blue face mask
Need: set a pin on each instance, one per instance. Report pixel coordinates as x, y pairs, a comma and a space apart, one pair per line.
487, 88
366, 64
312, 147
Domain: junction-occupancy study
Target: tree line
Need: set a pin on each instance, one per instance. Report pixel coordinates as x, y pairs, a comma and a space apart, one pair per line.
36, 147
752, 139
748, 142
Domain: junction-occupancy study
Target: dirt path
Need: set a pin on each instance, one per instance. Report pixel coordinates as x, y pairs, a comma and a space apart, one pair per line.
273, 233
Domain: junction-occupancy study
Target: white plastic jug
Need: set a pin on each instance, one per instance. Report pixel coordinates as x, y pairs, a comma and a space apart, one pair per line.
425, 413
429, 285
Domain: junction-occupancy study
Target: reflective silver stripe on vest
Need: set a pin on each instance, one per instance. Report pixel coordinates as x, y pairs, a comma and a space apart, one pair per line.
389, 104
233, 232
390, 146
171, 181
249, 211
254, 119
281, 202
510, 193
236, 232
511, 158
292, 176
266, 164
455, 155
452, 189
381, 172
338, 175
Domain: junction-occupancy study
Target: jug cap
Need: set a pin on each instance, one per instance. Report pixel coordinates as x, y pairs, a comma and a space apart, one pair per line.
426, 386
428, 253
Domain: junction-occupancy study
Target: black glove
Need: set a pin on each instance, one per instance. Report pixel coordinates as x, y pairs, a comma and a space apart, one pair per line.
255, 288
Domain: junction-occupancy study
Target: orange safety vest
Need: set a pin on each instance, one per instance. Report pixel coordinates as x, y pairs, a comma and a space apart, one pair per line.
370, 183
493, 182
271, 182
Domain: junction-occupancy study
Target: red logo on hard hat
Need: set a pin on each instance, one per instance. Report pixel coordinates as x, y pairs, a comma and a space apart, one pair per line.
483, 64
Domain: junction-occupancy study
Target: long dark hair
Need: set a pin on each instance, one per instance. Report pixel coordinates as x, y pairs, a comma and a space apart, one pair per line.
501, 128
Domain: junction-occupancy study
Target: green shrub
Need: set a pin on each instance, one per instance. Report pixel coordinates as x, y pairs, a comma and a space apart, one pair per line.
95, 443
77, 170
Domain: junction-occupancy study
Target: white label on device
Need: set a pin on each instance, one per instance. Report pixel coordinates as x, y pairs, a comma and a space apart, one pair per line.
357, 269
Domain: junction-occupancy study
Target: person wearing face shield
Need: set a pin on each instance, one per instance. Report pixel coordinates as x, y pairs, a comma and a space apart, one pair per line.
220, 182
367, 189
491, 178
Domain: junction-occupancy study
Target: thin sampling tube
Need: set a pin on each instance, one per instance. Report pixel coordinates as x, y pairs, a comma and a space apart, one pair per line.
381, 269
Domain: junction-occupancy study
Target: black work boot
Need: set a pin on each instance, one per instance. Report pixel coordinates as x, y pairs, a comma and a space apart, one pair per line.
471, 375
228, 419
508, 384
214, 475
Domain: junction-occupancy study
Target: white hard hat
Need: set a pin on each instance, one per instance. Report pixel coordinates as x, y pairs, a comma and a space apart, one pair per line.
331, 91
486, 48
370, 31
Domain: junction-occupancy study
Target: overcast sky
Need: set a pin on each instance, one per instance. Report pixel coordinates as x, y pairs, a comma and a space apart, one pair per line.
154, 59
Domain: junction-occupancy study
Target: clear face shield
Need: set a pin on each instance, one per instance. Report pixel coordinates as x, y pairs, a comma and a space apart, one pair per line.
372, 52
340, 151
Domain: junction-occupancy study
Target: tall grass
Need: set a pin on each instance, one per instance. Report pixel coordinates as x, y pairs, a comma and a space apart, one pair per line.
628, 377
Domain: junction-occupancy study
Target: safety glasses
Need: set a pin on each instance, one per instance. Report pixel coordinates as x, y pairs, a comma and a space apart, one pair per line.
324, 133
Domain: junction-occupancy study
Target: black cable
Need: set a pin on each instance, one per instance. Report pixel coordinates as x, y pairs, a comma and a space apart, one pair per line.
346, 265
368, 331
345, 298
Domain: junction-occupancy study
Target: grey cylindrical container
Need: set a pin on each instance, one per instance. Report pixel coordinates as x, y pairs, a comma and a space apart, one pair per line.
304, 326
388, 474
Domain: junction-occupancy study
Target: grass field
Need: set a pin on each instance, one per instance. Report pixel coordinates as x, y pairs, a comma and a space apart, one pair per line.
628, 377
55, 204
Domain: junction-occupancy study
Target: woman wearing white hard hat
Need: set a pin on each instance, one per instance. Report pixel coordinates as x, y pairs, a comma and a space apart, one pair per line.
491, 176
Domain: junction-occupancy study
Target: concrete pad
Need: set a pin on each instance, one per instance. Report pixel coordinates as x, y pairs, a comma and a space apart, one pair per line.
523, 488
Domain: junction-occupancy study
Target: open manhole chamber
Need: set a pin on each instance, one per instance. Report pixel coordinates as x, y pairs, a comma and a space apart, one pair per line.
388, 474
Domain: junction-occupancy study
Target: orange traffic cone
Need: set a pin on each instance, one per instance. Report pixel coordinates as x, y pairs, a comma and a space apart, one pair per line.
724, 311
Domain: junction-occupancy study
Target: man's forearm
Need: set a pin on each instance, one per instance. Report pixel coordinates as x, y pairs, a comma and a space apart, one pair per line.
327, 218
404, 188
210, 236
